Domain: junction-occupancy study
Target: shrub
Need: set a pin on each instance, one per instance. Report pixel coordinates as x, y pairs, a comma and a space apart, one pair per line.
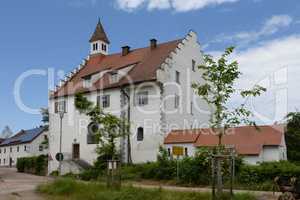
90, 174
267, 172
33, 165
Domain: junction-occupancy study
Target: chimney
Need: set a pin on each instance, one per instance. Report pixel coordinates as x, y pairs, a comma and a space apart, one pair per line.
125, 50
153, 43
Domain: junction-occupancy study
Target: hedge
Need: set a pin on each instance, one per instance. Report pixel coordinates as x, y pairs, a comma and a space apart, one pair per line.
267, 172
33, 165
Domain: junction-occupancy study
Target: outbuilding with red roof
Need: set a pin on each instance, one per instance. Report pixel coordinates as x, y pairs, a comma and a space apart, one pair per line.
267, 143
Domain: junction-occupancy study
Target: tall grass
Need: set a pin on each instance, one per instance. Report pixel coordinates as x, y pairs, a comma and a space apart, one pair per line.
69, 189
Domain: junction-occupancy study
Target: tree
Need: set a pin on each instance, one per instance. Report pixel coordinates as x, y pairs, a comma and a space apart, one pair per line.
292, 136
109, 128
6, 133
45, 115
217, 90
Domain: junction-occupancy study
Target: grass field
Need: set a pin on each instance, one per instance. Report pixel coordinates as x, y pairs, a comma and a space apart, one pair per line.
69, 189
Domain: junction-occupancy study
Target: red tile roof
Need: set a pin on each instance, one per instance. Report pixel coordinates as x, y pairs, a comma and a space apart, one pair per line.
246, 139
146, 62
177, 137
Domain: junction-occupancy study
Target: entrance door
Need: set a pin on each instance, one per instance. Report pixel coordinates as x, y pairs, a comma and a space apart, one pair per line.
10, 162
76, 151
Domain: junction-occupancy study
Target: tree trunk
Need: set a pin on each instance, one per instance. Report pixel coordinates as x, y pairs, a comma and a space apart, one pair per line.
219, 166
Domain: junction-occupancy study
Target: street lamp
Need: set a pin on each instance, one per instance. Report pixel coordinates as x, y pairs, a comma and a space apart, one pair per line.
61, 112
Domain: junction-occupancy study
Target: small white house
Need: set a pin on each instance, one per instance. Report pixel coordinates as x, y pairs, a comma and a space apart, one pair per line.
255, 145
26, 143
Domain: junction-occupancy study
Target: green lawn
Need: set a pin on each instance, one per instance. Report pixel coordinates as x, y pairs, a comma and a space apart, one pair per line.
69, 189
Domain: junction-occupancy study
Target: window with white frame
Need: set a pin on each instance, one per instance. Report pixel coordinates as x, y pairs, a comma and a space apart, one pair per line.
41, 148
114, 77
176, 101
60, 106
105, 101
140, 134
142, 98
87, 82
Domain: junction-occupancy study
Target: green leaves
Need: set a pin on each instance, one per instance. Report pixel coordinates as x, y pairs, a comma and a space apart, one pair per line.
220, 77
256, 91
292, 136
82, 104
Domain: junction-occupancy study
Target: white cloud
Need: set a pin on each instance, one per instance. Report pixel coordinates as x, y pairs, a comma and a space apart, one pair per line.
130, 5
187, 5
177, 5
271, 26
276, 65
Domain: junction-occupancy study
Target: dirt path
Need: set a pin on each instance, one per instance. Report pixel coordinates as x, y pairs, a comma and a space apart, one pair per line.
18, 186
15, 186
260, 195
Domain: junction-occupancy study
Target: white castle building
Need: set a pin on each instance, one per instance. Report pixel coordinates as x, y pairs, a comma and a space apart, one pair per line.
151, 86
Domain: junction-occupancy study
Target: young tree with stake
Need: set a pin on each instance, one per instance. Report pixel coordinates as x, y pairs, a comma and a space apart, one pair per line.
220, 76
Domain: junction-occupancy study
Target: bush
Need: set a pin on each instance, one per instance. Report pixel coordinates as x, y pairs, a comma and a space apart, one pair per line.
266, 172
34, 165
90, 174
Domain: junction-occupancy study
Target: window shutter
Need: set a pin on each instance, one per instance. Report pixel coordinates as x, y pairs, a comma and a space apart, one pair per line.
99, 101
56, 107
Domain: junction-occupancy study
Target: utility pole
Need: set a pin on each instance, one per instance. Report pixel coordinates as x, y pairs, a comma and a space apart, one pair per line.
61, 115
129, 159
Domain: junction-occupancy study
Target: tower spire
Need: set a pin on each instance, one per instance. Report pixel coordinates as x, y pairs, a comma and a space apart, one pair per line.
99, 41
99, 34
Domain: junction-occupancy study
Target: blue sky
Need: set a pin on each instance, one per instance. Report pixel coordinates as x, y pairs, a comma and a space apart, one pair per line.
54, 34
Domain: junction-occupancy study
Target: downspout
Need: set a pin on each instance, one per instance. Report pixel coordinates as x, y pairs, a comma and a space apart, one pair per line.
129, 159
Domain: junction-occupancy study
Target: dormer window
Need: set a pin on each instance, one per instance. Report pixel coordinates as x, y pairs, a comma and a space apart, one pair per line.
87, 82
114, 77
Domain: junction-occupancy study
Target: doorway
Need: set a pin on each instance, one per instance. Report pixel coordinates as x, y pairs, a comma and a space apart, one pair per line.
76, 152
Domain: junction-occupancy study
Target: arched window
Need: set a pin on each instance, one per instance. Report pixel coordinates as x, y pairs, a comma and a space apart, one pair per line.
91, 136
140, 134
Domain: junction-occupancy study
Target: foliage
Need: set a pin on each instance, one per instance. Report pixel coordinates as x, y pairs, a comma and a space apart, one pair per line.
45, 143
82, 104
110, 127
292, 136
6, 133
68, 189
45, 115
35, 165
265, 172
54, 173
218, 88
